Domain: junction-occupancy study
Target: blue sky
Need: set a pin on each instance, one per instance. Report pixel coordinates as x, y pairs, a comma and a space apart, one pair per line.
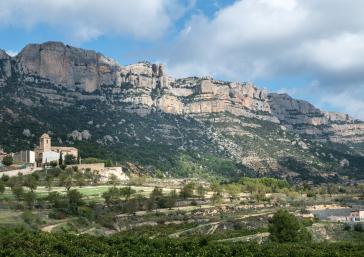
310, 49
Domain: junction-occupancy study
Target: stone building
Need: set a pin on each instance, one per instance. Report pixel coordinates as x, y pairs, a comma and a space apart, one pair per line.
46, 153
24, 156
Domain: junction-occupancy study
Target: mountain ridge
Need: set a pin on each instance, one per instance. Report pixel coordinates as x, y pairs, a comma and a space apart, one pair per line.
29, 50
232, 116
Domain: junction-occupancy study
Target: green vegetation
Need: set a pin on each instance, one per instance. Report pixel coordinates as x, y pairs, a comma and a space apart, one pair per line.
24, 243
285, 227
165, 145
7, 160
193, 217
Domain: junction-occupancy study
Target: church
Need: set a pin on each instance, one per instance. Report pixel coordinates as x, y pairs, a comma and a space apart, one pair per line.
46, 153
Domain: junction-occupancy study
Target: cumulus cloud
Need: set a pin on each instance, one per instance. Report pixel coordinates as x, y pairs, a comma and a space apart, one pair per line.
247, 40
11, 52
263, 39
347, 101
82, 20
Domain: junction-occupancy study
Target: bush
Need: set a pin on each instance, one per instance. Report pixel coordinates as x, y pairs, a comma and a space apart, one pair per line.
31, 219
30, 198
347, 227
87, 213
70, 159
54, 172
57, 215
91, 160
311, 194
106, 220
74, 198
5, 178
2, 187
8, 160
53, 164
285, 227
359, 227
187, 190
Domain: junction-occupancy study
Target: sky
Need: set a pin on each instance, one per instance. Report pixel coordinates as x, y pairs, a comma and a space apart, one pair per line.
311, 49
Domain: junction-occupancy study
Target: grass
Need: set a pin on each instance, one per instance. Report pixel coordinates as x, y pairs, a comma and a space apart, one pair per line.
90, 192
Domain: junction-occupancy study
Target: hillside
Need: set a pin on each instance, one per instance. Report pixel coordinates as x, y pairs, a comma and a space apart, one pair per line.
150, 122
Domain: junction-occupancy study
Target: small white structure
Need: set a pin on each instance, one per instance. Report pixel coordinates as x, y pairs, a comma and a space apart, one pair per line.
24, 156
50, 156
357, 215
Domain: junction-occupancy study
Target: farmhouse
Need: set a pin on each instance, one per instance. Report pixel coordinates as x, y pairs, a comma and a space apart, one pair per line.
46, 153
356, 215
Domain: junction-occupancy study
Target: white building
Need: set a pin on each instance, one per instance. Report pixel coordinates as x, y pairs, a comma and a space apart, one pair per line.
46, 153
24, 156
357, 215
50, 156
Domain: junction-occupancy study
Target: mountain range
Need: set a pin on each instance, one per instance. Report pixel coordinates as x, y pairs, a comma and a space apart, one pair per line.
150, 122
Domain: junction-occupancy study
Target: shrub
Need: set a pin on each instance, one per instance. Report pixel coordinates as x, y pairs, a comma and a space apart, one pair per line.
187, 190
70, 159
57, 215
31, 219
8, 160
30, 198
285, 227
359, 227
53, 164
347, 227
2, 187
5, 178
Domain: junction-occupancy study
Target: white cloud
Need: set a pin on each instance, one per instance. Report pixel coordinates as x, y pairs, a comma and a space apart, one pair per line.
86, 19
351, 102
11, 52
247, 40
263, 39
341, 53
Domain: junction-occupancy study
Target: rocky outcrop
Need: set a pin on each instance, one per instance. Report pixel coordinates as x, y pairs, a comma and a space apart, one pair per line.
5, 67
146, 87
68, 66
303, 118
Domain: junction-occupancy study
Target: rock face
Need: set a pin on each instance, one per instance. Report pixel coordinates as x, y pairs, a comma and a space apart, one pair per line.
5, 66
303, 118
146, 87
67, 66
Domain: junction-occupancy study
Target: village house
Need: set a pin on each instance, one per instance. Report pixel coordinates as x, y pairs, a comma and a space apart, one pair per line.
24, 156
356, 215
46, 153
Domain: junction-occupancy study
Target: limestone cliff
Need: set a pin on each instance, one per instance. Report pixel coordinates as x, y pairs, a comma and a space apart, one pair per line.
303, 118
5, 67
67, 66
146, 87
138, 113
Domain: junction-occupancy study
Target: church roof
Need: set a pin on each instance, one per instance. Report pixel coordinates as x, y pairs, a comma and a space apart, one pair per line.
45, 135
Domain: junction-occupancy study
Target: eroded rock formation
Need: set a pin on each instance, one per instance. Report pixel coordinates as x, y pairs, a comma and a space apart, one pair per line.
145, 87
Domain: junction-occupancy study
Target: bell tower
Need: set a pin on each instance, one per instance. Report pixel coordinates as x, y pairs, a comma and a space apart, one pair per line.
45, 143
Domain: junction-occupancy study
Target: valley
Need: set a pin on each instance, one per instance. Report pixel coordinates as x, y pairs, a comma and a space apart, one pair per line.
144, 164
